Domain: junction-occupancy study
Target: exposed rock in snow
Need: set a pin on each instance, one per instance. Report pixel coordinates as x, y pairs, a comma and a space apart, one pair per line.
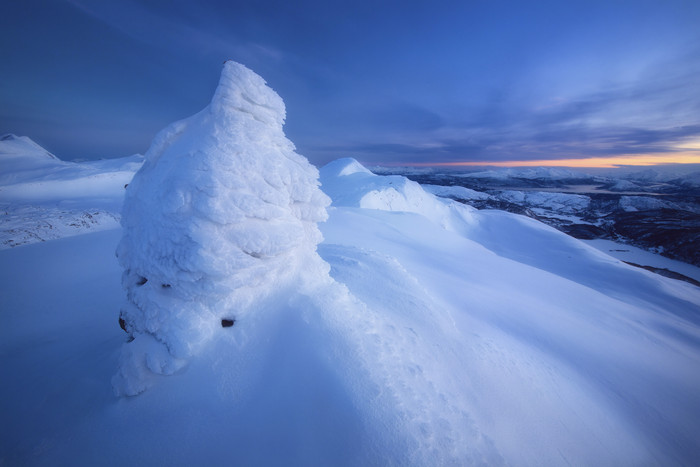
644, 203
561, 202
222, 215
31, 224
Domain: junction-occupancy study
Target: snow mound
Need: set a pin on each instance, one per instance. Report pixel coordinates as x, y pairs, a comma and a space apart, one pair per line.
221, 216
350, 184
345, 166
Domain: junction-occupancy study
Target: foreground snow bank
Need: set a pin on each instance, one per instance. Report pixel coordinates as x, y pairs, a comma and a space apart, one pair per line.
222, 215
505, 342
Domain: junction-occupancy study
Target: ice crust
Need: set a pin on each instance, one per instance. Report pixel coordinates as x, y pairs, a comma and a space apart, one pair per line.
222, 214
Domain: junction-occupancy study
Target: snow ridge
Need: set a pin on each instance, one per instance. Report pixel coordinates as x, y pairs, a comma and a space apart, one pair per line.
349, 184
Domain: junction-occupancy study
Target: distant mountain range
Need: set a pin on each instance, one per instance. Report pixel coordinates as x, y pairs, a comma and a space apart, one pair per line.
657, 209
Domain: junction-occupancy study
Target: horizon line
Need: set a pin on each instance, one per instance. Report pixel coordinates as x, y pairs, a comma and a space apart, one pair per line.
590, 162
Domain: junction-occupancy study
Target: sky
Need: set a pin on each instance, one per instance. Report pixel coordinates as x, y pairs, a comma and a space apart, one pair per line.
387, 82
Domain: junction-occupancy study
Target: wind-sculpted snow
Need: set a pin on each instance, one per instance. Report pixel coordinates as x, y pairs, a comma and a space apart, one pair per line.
544, 328
350, 184
222, 214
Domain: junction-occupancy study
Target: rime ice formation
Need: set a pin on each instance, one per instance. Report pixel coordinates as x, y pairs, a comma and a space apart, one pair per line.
222, 215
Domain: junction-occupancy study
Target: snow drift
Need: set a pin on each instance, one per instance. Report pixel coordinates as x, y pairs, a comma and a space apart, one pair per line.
222, 213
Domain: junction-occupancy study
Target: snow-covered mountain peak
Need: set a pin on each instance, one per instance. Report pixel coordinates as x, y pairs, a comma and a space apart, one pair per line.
345, 166
530, 173
242, 90
13, 146
22, 159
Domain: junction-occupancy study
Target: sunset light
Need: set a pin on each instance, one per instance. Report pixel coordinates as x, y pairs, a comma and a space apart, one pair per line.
688, 157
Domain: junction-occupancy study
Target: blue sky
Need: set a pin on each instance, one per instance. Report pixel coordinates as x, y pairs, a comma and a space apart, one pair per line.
386, 82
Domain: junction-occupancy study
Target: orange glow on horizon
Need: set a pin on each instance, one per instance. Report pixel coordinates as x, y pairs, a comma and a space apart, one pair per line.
692, 157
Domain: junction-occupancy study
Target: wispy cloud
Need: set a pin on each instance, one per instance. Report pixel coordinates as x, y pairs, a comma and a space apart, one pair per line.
175, 33
655, 114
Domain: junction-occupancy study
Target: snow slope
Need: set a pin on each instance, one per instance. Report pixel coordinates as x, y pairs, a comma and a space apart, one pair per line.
43, 198
503, 342
427, 333
455, 192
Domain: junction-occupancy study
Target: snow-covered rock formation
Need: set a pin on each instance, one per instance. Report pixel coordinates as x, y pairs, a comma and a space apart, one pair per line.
222, 215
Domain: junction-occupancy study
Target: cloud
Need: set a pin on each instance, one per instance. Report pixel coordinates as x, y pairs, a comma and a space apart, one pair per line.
656, 113
176, 31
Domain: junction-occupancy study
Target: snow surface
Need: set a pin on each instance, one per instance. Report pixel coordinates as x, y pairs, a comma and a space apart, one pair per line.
506, 343
636, 255
427, 333
43, 198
